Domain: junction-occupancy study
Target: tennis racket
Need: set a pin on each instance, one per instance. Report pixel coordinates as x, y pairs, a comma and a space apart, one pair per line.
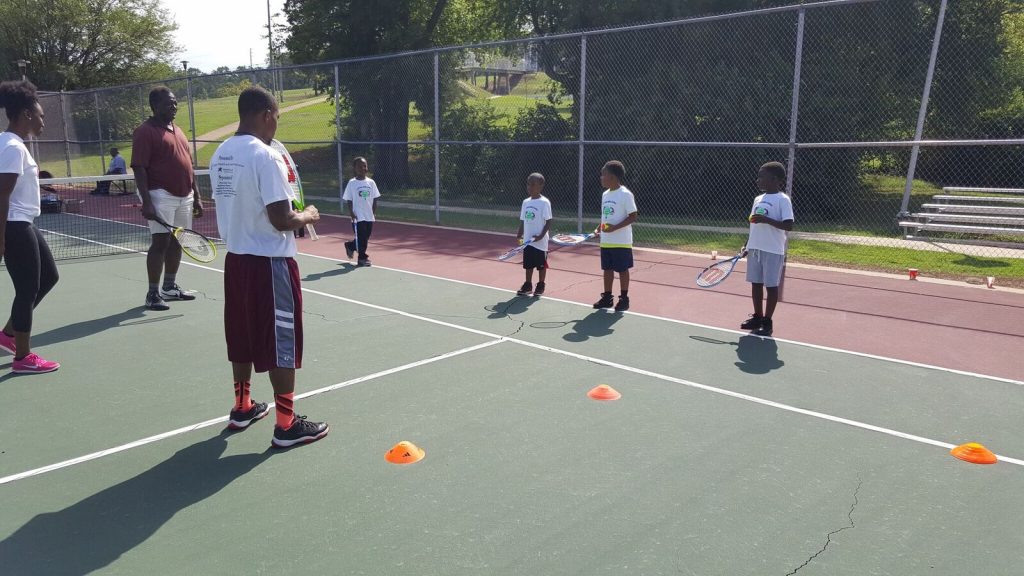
195, 245
295, 182
513, 252
717, 273
570, 239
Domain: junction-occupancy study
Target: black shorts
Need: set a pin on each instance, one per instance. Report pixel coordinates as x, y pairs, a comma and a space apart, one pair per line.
534, 258
617, 259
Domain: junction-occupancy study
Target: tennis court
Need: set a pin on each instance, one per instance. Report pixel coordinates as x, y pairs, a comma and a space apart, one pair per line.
726, 454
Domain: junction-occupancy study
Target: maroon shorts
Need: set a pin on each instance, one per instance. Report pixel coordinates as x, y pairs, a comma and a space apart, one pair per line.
263, 311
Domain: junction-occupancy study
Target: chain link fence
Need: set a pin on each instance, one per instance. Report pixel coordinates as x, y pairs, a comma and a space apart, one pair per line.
884, 112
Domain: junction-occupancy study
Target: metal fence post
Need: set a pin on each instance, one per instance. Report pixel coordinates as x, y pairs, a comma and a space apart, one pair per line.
337, 139
794, 113
145, 104
582, 139
922, 113
437, 139
191, 118
67, 139
99, 132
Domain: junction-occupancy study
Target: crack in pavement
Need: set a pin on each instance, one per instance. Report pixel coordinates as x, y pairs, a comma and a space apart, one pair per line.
828, 537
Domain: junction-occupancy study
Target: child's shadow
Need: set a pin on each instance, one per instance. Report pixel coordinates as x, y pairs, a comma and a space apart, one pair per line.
510, 307
344, 268
758, 355
595, 325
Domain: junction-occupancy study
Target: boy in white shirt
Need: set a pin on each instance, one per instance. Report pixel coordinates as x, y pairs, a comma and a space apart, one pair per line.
360, 197
770, 218
534, 222
618, 213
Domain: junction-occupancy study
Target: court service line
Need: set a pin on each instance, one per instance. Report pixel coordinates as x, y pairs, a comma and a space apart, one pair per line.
664, 377
707, 327
222, 419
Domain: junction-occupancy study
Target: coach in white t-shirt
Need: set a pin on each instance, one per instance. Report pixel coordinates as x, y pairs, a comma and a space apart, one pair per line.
25, 252
262, 296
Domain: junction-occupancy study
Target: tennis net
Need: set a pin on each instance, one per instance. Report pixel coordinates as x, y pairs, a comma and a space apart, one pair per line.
101, 215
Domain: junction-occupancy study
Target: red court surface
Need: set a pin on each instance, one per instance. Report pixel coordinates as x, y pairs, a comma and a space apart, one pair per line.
956, 327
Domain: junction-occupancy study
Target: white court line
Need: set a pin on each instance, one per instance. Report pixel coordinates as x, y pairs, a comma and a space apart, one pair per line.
497, 338
222, 419
704, 326
624, 367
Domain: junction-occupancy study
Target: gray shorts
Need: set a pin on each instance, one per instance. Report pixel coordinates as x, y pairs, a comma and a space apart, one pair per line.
764, 268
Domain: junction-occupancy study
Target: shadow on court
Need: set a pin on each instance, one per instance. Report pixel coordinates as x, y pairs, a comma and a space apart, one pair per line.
343, 268
755, 355
595, 325
758, 355
510, 307
94, 532
85, 328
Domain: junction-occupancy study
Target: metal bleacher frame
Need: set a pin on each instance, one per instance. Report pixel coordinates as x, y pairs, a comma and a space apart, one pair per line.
955, 211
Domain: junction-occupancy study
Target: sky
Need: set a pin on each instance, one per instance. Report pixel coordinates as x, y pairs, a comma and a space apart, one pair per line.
216, 33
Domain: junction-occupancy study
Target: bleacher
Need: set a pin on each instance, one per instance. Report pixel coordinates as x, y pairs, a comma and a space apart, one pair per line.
985, 216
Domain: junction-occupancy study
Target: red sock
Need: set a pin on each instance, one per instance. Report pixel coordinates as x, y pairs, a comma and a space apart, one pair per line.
243, 401
285, 410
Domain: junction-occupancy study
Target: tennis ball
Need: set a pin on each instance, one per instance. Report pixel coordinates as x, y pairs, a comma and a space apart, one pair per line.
606, 227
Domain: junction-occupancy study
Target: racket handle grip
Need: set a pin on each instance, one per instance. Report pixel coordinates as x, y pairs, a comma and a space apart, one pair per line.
312, 232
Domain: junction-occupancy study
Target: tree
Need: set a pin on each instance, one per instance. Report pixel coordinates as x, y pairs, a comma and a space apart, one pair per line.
378, 94
86, 43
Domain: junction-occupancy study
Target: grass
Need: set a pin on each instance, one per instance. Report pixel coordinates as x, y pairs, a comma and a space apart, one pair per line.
877, 258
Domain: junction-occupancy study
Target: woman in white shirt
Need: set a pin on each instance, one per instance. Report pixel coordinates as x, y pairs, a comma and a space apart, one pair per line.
28, 258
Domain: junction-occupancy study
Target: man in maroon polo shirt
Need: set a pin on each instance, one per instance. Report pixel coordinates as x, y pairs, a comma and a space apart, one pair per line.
162, 164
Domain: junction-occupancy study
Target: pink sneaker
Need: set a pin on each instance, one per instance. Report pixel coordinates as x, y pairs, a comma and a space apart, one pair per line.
7, 343
33, 364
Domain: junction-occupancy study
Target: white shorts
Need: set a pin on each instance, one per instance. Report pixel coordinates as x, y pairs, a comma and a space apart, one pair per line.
174, 210
764, 268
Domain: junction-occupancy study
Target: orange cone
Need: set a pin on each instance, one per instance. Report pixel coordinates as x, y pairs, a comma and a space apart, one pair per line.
974, 453
604, 392
404, 453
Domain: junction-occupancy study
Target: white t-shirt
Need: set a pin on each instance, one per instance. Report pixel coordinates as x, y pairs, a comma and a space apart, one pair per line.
247, 176
535, 215
766, 237
15, 159
616, 205
361, 194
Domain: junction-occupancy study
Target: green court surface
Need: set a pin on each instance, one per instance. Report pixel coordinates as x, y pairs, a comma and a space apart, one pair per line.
727, 454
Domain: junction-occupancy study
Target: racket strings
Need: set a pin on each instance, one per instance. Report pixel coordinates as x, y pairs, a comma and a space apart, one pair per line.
715, 274
196, 245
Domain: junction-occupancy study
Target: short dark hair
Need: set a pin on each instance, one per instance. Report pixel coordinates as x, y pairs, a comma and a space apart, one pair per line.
615, 168
113, 149
358, 158
535, 177
44, 174
254, 100
158, 94
775, 169
16, 96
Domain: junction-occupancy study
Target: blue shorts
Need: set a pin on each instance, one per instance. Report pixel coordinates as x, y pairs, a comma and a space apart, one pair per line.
617, 259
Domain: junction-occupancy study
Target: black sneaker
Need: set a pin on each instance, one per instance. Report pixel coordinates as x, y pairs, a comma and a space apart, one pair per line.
765, 329
752, 323
302, 431
623, 304
539, 290
606, 301
349, 250
365, 262
155, 302
174, 292
524, 289
239, 420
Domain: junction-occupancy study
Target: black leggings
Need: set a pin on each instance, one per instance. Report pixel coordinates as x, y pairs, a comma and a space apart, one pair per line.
32, 269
